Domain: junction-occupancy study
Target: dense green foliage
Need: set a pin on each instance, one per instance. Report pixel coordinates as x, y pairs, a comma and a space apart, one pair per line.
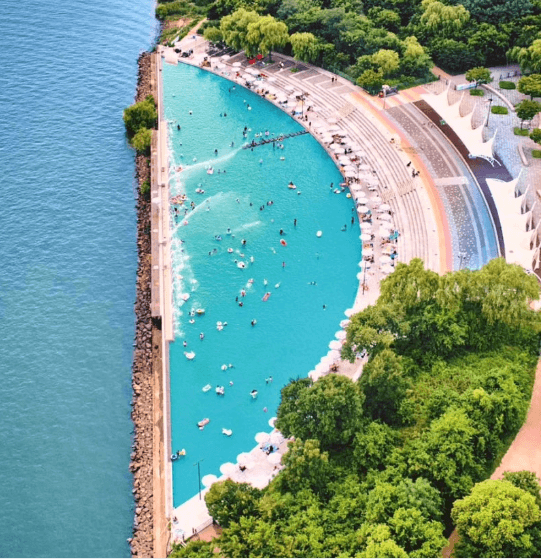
142, 140
499, 519
377, 465
346, 34
530, 85
499, 110
140, 115
526, 110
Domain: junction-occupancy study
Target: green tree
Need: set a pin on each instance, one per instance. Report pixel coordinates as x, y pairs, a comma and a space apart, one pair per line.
194, 548
526, 110
234, 27
535, 135
479, 75
388, 61
384, 386
306, 467
264, 35
330, 411
492, 42
530, 85
529, 58
213, 35
497, 12
227, 501
371, 81
526, 481
497, 520
142, 140
140, 115
443, 20
445, 455
377, 541
305, 46
453, 55
372, 446
415, 61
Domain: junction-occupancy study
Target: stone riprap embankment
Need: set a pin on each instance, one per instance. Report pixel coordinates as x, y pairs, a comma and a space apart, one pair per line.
141, 464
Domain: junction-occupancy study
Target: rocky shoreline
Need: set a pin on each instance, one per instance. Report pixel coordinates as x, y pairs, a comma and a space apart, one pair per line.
141, 465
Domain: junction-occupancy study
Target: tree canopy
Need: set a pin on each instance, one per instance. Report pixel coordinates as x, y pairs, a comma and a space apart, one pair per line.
497, 520
377, 465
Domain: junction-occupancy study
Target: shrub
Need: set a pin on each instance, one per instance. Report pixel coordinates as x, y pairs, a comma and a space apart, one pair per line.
498, 110
536, 153
521, 131
508, 85
140, 115
145, 189
142, 140
477, 92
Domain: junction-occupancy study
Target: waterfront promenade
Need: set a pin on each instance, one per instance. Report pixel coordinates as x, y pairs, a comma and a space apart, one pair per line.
391, 157
373, 158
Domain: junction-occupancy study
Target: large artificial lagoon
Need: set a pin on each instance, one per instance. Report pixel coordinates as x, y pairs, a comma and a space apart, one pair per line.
247, 252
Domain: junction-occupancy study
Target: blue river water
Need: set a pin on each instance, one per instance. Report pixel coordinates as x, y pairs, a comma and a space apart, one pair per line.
311, 280
67, 276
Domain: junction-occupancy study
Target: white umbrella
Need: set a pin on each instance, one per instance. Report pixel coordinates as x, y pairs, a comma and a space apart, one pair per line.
385, 259
375, 198
326, 138
226, 57
360, 153
281, 99
275, 458
272, 421
289, 88
363, 209
365, 237
208, 480
364, 167
350, 174
387, 269
262, 438
219, 65
228, 469
344, 159
349, 168
252, 71
368, 251
249, 79
333, 355
360, 276
361, 264
349, 312
385, 207
335, 344
341, 335
382, 232
385, 217
337, 148
276, 438
345, 323
321, 368
245, 458
237, 64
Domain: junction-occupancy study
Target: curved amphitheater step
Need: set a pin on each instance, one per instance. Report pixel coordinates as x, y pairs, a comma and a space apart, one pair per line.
396, 185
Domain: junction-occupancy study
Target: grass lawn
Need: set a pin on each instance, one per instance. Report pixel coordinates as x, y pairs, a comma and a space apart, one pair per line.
498, 110
521, 131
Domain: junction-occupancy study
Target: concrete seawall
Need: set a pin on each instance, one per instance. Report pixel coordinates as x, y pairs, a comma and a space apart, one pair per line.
150, 463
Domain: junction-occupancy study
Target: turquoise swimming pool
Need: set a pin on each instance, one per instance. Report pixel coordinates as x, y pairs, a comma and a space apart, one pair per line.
308, 280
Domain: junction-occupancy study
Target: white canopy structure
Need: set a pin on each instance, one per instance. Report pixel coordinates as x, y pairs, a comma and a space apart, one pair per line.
514, 223
471, 138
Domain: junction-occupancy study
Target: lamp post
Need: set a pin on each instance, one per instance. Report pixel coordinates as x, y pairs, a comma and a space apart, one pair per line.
489, 106
199, 476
